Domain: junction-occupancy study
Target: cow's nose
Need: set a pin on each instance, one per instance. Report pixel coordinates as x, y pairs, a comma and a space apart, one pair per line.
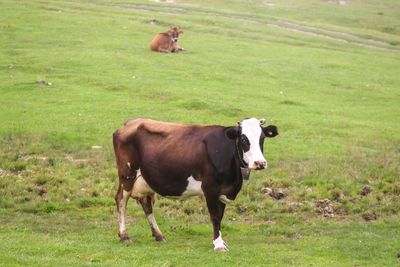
260, 164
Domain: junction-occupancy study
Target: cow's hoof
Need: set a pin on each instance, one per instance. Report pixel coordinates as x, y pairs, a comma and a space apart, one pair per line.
160, 239
124, 238
221, 249
220, 245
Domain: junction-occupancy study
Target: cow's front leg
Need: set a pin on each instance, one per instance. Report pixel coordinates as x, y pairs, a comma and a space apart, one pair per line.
216, 210
177, 49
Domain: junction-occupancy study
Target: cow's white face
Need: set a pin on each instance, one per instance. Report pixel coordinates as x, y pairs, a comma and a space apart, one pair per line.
251, 139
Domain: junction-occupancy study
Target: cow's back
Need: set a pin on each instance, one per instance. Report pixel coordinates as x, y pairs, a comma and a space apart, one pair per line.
161, 40
152, 140
131, 128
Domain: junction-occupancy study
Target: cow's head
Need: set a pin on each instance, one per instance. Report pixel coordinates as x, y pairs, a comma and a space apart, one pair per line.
249, 136
174, 33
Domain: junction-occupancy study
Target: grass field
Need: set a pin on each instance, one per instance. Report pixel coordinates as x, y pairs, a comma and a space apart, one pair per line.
327, 74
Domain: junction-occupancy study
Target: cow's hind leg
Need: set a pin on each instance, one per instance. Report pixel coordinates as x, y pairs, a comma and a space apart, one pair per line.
121, 199
147, 205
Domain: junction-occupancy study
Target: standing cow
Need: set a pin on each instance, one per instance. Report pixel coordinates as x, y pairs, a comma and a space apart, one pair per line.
167, 41
180, 161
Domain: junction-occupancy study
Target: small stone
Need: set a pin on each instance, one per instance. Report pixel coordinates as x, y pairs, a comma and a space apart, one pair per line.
42, 191
275, 194
42, 82
152, 21
298, 236
266, 190
279, 193
369, 217
366, 190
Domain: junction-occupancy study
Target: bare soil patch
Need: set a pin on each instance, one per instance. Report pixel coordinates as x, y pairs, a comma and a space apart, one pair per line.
165, 1
325, 207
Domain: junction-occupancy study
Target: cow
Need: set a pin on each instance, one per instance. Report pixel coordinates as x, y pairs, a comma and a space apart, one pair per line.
167, 42
180, 161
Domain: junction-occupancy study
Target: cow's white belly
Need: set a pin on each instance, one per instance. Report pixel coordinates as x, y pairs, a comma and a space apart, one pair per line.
140, 187
192, 189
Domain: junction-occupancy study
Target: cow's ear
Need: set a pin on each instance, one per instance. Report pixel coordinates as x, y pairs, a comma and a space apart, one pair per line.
233, 132
220, 149
270, 131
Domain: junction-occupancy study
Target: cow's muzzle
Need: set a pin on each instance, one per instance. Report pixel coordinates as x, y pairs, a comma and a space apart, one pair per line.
259, 165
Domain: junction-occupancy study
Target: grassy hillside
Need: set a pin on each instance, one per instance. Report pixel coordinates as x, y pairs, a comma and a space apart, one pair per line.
327, 74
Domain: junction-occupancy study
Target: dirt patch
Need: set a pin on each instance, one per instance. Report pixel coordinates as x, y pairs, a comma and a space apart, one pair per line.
369, 217
4, 173
325, 207
167, 10
38, 158
365, 190
73, 160
270, 4
338, 2
164, 1
333, 35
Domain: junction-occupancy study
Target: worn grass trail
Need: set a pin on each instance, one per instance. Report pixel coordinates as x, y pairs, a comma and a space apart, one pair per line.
326, 74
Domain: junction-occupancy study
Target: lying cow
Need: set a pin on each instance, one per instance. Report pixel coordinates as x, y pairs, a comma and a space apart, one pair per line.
167, 41
180, 161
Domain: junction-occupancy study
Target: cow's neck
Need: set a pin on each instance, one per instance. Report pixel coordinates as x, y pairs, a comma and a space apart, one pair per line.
242, 167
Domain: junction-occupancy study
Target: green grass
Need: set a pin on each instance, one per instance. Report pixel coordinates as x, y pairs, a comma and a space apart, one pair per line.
325, 74
88, 237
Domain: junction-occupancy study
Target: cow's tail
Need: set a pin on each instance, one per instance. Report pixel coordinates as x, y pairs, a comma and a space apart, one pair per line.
125, 157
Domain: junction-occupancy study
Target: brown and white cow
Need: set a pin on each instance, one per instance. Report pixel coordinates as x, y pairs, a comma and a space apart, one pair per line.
167, 41
180, 161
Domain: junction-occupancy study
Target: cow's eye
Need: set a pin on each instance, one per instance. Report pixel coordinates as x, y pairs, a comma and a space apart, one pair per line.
245, 143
